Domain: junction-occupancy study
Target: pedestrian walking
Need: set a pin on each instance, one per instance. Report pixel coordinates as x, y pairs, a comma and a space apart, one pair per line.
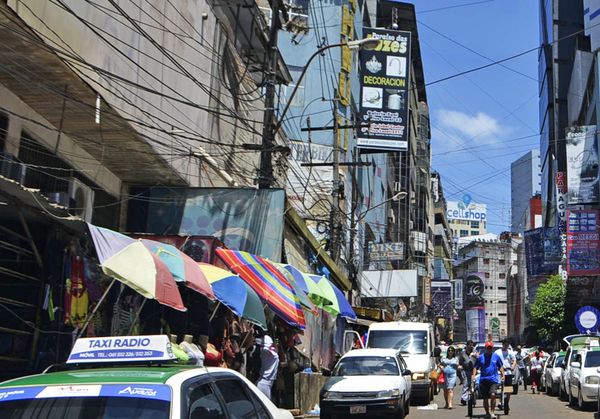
509, 362
450, 366
537, 366
467, 360
269, 362
521, 355
490, 364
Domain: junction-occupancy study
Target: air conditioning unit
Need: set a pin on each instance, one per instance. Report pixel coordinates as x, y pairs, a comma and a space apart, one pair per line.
12, 168
83, 197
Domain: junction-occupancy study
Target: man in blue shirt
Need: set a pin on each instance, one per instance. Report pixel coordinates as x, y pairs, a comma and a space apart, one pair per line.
489, 363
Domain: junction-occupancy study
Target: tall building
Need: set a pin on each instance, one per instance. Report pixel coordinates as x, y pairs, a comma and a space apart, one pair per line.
485, 267
525, 184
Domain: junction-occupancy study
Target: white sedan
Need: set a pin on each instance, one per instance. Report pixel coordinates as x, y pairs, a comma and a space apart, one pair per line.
367, 382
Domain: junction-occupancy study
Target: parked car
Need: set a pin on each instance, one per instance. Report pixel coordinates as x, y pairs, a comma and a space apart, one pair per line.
552, 372
367, 382
575, 343
158, 387
584, 378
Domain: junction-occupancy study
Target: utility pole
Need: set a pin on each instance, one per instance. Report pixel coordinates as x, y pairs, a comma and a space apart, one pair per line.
335, 207
265, 175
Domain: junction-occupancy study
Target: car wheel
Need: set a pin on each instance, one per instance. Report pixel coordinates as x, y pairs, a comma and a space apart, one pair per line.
407, 406
580, 402
549, 390
572, 400
561, 394
400, 414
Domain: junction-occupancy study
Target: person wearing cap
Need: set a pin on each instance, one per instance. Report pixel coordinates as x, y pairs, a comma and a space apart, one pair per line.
490, 364
509, 362
269, 362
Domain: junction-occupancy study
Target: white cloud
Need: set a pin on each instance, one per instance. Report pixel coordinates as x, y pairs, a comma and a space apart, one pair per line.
470, 130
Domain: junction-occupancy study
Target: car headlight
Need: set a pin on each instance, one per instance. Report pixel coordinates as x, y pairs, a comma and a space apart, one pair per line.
592, 379
332, 395
418, 375
386, 394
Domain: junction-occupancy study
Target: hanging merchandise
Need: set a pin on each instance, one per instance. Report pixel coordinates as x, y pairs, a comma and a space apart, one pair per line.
76, 296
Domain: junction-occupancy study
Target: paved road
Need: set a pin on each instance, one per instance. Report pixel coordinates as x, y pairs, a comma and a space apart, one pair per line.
523, 405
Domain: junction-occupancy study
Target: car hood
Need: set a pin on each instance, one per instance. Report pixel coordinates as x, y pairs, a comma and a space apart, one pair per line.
418, 363
361, 383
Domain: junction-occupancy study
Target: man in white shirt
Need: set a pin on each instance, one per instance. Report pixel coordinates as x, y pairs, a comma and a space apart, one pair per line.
509, 362
269, 362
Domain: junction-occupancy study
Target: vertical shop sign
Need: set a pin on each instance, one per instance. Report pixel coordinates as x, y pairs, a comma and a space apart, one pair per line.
582, 164
474, 287
561, 220
583, 243
384, 81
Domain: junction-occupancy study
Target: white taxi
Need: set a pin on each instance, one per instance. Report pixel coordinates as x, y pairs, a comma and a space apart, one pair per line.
146, 383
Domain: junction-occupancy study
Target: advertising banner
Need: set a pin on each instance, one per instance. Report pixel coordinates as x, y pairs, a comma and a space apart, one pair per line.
442, 294
583, 243
582, 161
384, 77
474, 286
542, 251
476, 324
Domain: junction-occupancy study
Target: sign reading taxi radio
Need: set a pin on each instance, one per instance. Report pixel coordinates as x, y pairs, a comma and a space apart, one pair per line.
384, 91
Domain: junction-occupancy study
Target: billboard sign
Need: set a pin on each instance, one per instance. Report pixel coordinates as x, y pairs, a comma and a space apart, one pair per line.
469, 212
583, 243
389, 283
582, 161
473, 292
476, 324
384, 81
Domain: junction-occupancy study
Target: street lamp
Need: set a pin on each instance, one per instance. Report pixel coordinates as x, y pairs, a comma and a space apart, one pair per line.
366, 44
399, 195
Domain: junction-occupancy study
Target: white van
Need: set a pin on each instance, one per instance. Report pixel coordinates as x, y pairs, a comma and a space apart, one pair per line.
415, 341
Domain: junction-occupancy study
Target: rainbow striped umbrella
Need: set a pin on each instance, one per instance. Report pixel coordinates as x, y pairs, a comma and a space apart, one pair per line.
272, 286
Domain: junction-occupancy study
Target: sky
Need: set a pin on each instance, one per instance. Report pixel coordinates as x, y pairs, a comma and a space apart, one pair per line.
484, 120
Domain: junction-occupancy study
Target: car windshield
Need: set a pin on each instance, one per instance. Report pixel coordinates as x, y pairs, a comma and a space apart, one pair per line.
366, 365
559, 359
406, 341
592, 359
86, 408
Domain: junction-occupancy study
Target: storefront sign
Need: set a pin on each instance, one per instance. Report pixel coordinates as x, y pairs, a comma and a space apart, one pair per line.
583, 244
384, 80
582, 161
474, 288
587, 319
386, 251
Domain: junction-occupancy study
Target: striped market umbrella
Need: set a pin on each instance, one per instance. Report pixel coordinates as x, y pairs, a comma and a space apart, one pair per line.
272, 286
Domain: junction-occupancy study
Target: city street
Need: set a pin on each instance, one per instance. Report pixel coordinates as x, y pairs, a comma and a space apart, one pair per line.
523, 405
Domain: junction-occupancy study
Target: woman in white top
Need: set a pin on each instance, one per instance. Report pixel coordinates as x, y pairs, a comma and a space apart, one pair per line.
537, 366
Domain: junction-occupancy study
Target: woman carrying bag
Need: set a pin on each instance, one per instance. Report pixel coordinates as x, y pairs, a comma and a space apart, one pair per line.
450, 368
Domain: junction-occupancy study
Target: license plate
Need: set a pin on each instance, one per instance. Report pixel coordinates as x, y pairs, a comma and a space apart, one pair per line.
358, 409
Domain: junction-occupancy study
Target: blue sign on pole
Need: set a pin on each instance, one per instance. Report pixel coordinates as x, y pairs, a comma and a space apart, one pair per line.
587, 319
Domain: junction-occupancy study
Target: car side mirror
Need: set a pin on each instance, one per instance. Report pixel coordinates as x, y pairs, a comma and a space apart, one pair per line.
326, 372
575, 364
409, 373
437, 351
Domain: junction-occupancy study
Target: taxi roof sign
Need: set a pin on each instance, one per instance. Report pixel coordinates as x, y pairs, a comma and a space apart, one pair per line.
122, 349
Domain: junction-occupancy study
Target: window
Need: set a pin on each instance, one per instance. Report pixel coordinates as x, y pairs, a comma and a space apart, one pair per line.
502, 262
486, 261
475, 233
237, 401
202, 402
502, 276
464, 233
487, 274
474, 224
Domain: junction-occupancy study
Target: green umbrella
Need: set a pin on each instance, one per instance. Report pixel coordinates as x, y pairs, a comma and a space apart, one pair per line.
307, 284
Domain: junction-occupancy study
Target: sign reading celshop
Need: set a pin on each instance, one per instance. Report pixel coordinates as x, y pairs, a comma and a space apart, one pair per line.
384, 82
469, 212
